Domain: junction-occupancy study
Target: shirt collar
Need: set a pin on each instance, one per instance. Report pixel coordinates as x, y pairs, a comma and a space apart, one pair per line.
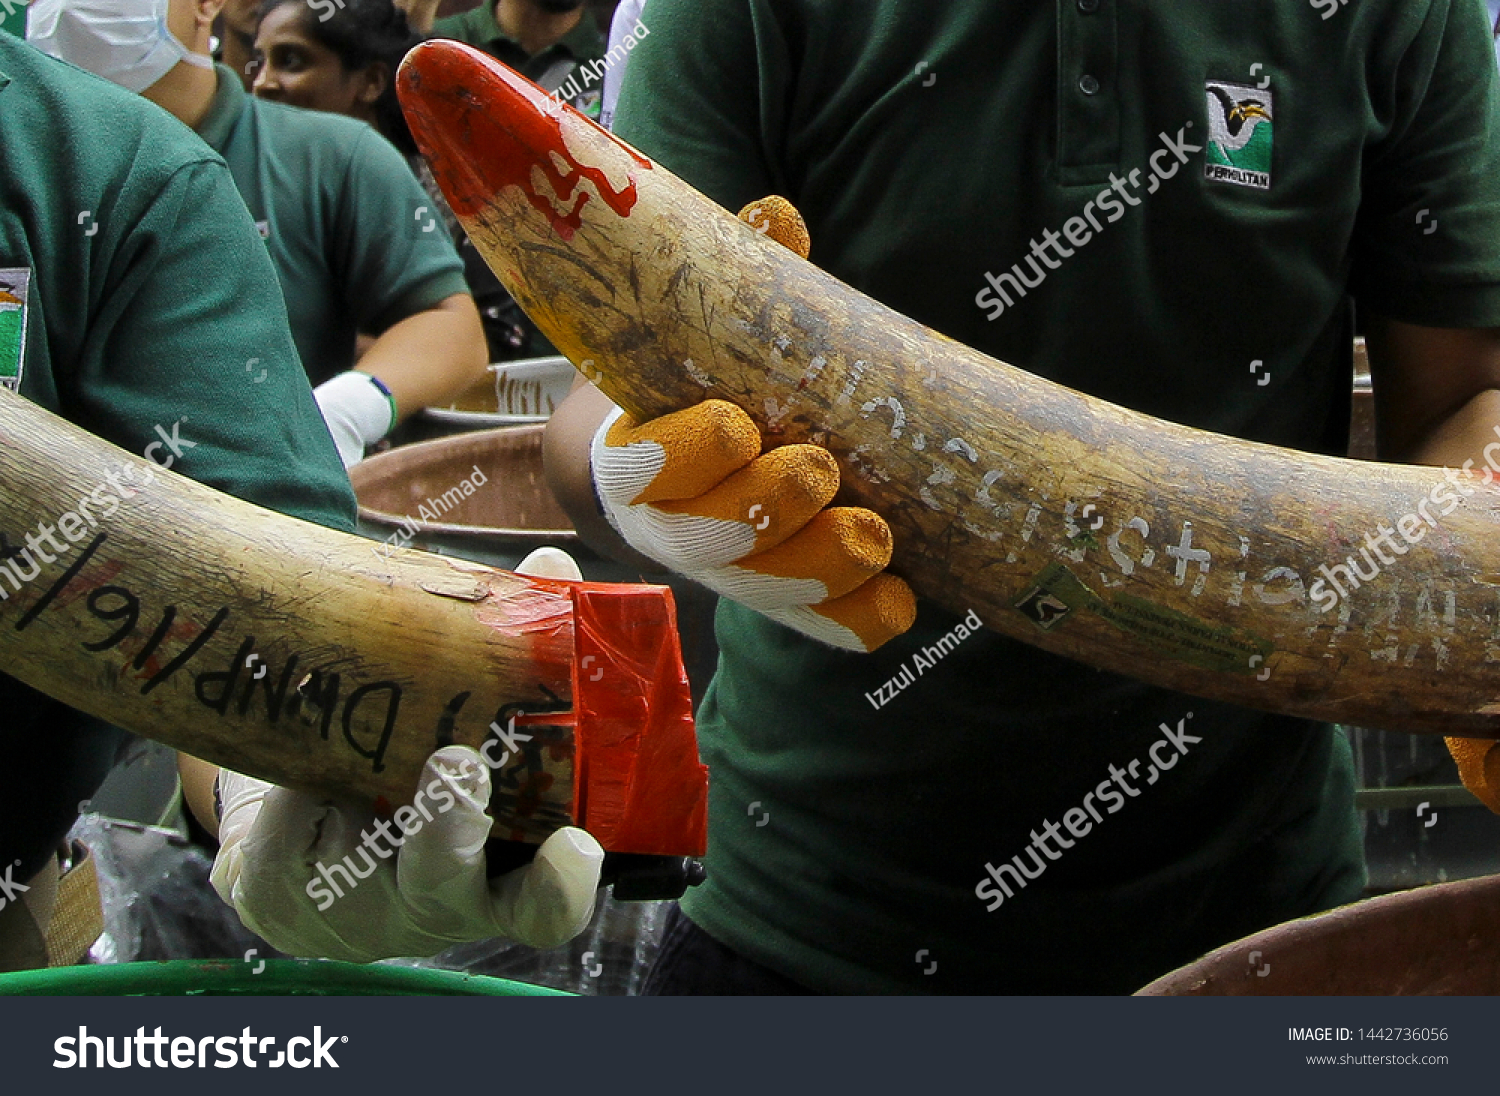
584, 40
225, 110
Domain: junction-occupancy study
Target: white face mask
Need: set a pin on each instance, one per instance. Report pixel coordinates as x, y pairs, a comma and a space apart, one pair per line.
126, 41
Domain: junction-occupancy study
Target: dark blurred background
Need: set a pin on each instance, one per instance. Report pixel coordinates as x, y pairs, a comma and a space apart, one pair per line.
602, 10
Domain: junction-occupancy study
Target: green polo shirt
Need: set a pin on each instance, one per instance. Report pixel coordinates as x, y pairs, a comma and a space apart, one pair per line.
148, 302
354, 239
583, 44
928, 146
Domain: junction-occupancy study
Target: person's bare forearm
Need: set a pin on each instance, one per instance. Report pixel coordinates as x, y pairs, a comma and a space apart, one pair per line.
1435, 391
1463, 435
565, 453
427, 359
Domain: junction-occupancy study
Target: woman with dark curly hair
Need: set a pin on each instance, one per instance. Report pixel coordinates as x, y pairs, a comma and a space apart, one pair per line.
338, 56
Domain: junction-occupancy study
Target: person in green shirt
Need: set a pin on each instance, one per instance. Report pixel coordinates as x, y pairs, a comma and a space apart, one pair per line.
235, 32
351, 233
345, 61
1248, 176
144, 300
344, 64
137, 302
554, 43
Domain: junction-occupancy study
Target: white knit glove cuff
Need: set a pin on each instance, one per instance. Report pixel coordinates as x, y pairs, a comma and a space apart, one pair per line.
358, 413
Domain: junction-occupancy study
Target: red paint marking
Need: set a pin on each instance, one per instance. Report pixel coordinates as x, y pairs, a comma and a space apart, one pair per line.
99, 572
483, 128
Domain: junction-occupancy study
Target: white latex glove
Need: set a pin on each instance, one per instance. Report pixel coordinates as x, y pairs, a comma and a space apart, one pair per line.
357, 411
550, 563
416, 900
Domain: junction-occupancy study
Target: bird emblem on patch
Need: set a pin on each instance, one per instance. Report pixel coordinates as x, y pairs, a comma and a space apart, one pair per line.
1240, 121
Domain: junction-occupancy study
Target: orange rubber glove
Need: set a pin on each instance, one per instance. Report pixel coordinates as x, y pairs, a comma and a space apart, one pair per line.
1478, 767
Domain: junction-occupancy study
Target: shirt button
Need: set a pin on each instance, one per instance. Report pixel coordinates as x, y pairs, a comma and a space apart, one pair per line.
1088, 85
1088, 7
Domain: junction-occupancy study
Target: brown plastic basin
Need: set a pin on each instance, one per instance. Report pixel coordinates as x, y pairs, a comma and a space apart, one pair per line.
514, 502
1442, 939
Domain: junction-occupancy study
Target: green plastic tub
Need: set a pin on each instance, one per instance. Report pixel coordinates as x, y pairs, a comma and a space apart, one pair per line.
280, 978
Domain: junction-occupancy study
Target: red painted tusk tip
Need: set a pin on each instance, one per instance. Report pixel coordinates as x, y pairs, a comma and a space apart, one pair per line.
441, 68
484, 129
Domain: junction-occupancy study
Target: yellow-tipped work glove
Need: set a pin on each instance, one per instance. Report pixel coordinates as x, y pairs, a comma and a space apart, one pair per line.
1478, 767
691, 491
